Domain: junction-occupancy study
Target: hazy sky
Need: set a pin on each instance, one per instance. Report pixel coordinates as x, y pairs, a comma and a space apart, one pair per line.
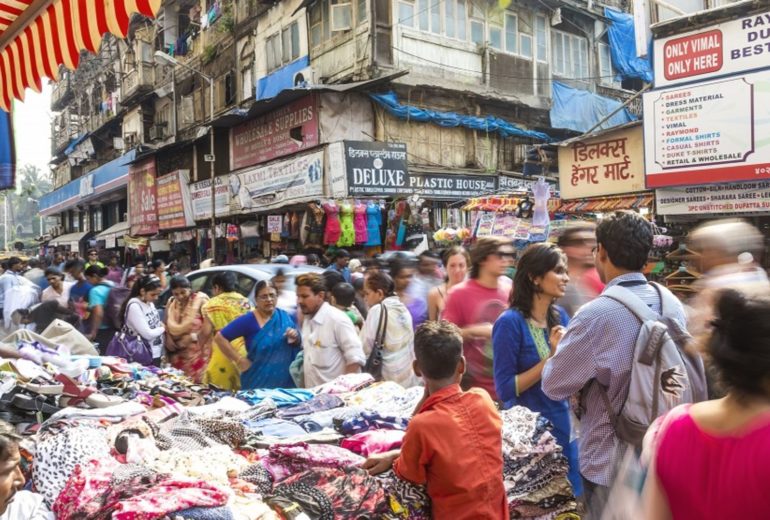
32, 128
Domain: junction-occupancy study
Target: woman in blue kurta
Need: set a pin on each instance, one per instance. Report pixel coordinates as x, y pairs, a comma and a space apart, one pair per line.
526, 335
272, 342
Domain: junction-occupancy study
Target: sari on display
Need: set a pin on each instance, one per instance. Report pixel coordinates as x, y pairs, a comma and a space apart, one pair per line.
270, 354
191, 357
221, 310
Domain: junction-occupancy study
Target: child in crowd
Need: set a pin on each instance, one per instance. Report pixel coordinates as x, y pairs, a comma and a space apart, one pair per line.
343, 297
453, 443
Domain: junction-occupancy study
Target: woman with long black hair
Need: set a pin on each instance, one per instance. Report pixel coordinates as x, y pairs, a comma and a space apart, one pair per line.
526, 335
142, 318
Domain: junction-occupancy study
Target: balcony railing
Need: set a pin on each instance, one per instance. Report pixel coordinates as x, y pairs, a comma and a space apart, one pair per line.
61, 93
138, 81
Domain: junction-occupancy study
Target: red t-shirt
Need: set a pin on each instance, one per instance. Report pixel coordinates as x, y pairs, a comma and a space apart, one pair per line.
453, 445
470, 303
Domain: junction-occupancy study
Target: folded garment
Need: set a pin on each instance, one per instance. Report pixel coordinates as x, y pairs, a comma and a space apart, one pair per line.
345, 383
374, 441
319, 421
281, 396
274, 427
226, 404
318, 403
371, 421
116, 413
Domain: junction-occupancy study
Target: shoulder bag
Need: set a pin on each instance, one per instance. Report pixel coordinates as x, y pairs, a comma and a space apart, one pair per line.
130, 346
374, 362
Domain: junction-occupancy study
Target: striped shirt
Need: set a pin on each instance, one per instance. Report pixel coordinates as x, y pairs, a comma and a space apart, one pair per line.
599, 344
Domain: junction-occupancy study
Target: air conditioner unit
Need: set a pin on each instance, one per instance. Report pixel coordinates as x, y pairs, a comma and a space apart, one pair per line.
304, 78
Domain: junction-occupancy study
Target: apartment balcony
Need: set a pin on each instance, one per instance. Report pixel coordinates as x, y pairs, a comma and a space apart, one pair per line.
62, 92
98, 120
65, 127
138, 81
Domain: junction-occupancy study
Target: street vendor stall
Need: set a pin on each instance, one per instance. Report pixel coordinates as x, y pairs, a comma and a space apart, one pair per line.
104, 438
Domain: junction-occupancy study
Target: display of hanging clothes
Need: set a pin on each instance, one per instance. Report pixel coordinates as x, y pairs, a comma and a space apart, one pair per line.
401, 219
373, 224
348, 235
333, 230
286, 227
359, 222
315, 225
294, 225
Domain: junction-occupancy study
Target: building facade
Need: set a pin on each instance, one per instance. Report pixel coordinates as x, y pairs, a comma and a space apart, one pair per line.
455, 94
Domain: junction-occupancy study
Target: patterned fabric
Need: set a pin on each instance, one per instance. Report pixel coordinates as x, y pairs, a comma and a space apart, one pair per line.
372, 420
352, 492
221, 310
89, 493
214, 465
284, 461
406, 500
190, 357
311, 500
599, 345
348, 232
59, 452
259, 476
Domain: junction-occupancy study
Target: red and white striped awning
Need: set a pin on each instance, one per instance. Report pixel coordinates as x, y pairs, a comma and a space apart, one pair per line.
36, 36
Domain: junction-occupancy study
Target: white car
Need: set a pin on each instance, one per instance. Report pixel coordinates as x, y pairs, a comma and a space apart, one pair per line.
246, 278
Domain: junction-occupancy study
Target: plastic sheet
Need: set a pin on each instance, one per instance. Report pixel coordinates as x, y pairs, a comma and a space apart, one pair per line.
492, 124
623, 47
581, 110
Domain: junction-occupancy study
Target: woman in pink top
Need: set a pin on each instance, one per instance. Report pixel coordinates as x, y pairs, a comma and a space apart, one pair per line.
712, 459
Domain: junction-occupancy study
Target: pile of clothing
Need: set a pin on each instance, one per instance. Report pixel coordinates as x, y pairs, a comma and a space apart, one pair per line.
534, 468
107, 439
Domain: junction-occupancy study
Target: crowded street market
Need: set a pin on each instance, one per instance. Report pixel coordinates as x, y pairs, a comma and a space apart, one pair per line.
329, 260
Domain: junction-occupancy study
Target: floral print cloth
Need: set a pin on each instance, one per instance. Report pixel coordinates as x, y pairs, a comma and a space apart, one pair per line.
91, 494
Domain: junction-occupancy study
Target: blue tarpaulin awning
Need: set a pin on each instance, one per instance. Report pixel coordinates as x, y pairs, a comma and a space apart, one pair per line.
623, 47
491, 124
580, 110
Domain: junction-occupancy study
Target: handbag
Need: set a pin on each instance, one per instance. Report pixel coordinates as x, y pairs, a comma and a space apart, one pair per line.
129, 346
374, 361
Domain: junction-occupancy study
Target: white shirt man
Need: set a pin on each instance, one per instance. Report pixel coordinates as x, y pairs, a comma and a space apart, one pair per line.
330, 342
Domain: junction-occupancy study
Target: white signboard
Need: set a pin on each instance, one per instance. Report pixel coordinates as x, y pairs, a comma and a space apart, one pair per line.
711, 132
728, 48
299, 179
274, 223
201, 198
747, 197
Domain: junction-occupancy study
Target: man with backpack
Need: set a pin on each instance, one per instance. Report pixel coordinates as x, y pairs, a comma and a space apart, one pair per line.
624, 354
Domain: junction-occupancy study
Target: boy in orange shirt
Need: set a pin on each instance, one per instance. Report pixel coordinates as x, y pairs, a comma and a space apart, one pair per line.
453, 443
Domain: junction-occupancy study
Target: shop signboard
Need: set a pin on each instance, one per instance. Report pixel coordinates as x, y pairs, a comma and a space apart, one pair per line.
200, 192
518, 182
174, 201
274, 223
291, 181
730, 47
142, 198
610, 164
376, 168
745, 197
710, 132
452, 186
285, 131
